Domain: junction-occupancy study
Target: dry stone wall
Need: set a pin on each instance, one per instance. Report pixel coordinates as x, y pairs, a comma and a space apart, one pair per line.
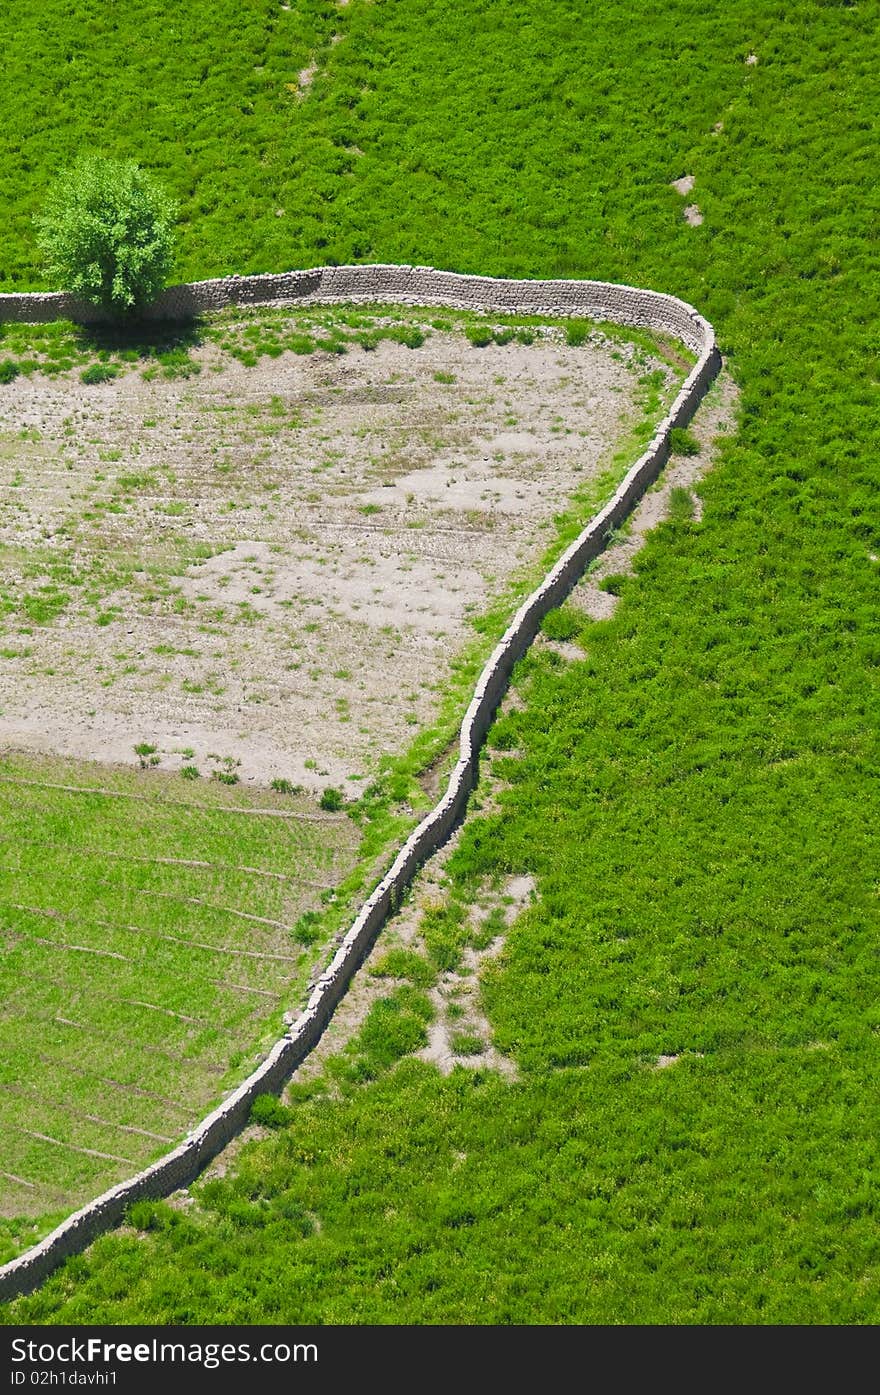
407, 285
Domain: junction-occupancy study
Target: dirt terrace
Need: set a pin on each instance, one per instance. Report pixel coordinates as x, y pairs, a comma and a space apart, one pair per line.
275, 565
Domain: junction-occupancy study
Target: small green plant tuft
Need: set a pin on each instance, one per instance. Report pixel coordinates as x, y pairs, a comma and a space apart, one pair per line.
306, 930
98, 373
444, 932
562, 624
683, 442
9, 370
406, 964
577, 332
614, 584
146, 754
270, 1112
681, 505
479, 335
408, 335
150, 1215
394, 1028
332, 800
225, 777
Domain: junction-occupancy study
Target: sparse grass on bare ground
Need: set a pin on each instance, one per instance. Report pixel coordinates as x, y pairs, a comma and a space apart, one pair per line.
277, 563
150, 938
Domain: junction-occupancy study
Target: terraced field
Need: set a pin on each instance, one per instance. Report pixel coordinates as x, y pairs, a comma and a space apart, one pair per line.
244, 574
151, 940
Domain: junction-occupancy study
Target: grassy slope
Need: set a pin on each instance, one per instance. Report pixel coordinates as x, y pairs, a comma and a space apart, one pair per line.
699, 802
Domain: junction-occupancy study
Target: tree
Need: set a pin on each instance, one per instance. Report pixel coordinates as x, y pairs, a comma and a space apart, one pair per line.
107, 232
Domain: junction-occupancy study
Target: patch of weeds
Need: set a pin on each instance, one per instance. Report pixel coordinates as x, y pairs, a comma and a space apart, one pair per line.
613, 585
683, 442
128, 483
407, 964
146, 754
297, 344
99, 373
332, 800
9, 371
481, 336
307, 928
467, 1044
444, 933
562, 624
681, 505
177, 363
43, 606
577, 332
408, 335
189, 772
489, 929
395, 1027
151, 1215
282, 786
270, 1113
503, 735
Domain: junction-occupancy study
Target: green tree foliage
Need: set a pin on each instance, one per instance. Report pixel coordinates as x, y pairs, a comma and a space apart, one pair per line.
107, 233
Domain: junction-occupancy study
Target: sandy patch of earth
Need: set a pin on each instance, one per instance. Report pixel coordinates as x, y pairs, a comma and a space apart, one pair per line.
275, 565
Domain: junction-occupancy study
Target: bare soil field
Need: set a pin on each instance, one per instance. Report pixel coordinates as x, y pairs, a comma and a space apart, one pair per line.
269, 569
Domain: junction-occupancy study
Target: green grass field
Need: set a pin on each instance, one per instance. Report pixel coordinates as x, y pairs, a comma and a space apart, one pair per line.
151, 939
698, 797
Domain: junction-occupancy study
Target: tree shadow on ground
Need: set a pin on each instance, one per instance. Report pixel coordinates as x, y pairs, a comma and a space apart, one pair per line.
159, 347
141, 338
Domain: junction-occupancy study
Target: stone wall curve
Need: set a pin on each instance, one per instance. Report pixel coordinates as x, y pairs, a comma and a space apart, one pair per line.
600, 300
